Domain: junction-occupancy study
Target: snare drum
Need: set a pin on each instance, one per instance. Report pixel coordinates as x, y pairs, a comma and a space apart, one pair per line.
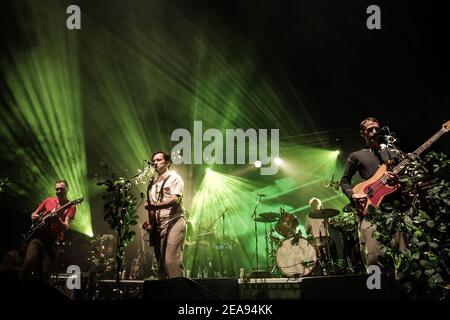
296, 256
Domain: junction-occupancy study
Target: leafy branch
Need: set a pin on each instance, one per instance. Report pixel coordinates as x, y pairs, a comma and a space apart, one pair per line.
120, 209
425, 217
4, 182
332, 184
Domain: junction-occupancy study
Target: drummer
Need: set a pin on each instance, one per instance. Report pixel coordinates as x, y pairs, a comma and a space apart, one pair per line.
322, 234
315, 227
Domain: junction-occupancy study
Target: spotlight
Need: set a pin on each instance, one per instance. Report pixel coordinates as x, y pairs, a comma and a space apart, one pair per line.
258, 164
278, 161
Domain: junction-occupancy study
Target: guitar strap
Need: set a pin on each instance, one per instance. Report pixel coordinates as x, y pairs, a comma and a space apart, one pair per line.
378, 155
161, 191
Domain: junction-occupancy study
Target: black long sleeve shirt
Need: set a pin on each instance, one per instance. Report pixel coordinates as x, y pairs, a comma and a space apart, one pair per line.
366, 161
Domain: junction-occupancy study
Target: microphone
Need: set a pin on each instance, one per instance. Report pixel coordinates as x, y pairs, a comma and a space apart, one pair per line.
151, 164
385, 130
386, 134
261, 195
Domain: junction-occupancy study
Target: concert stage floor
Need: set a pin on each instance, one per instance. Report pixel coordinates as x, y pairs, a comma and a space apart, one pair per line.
348, 287
344, 287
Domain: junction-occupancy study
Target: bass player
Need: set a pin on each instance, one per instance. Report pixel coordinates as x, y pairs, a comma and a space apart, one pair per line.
367, 161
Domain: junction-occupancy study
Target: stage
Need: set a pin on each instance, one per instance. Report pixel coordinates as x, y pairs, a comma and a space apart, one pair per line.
346, 287
271, 124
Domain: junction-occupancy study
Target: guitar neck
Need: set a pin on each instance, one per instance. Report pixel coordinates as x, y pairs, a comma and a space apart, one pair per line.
429, 142
418, 151
61, 209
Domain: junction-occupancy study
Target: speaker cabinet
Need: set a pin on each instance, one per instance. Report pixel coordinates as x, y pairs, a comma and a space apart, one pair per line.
191, 289
16, 289
348, 287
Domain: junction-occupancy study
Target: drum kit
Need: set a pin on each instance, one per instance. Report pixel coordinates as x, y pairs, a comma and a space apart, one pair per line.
295, 255
217, 251
101, 256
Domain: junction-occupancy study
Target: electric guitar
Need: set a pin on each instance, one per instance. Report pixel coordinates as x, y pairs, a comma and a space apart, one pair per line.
38, 225
150, 225
378, 186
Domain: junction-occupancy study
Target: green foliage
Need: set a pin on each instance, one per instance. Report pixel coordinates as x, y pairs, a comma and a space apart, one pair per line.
423, 213
344, 220
4, 182
119, 211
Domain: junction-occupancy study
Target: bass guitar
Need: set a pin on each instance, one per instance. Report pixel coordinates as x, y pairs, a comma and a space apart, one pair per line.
379, 185
39, 224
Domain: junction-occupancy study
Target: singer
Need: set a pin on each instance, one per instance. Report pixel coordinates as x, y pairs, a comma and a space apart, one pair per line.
164, 203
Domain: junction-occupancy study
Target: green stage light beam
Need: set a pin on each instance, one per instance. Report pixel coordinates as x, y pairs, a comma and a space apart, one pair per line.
235, 229
44, 124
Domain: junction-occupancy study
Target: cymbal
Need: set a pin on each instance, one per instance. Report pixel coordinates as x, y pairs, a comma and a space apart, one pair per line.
270, 215
323, 214
197, 243
206, 234
264, 219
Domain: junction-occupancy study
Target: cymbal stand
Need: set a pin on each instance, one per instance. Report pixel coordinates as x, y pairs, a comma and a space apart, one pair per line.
327, 259
256, 230
267, 245
272, 255
330, 257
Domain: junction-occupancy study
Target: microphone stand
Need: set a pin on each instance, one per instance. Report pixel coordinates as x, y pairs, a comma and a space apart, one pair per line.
215, 221
126, 184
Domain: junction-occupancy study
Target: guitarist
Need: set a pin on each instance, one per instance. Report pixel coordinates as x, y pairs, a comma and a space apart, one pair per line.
367, 161
41, 250
165, 204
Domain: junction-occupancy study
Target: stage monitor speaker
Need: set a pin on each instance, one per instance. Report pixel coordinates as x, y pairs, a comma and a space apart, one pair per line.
130, 290
348, 287
16, 289
191, 289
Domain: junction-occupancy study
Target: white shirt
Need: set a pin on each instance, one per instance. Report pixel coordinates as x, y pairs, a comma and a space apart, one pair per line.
317, 227
173, 186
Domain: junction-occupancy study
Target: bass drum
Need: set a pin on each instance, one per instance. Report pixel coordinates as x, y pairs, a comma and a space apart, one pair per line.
296, 256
